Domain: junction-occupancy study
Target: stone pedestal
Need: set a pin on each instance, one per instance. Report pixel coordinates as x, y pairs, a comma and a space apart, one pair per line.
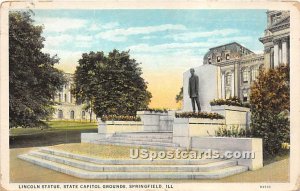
240, 146
234, 115
111, 127
166, 123
185, 128
151, 120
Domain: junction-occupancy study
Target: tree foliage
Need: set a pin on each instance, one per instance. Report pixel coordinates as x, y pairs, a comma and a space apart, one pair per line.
270, 99
111, 83
179, 96
33, 80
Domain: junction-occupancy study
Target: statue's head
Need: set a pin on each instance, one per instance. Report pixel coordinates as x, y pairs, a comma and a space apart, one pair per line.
192, 70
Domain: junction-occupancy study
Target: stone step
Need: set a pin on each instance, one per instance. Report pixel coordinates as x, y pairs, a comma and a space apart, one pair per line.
137, 142
95, 160
85, 174
156, 145
101, 142
165, 140
145, 135
134, 168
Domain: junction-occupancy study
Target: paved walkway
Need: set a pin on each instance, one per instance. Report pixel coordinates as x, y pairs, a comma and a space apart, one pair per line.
24, 172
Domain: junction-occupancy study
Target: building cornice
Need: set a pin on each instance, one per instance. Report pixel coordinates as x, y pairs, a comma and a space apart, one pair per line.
279, 27
266, 39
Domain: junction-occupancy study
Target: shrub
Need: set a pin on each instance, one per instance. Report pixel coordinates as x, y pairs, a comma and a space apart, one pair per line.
270, 103
232, 131
234, 101
199, 115
120, 118
155, 110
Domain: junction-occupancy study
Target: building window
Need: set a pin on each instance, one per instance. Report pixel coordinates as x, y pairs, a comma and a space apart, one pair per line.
228, 79
72, 114
254, 73
245, 76
60, 114
65, 97
227, 56
218, 58
209, 60
245, 96
59, 97
83, 114
243, 50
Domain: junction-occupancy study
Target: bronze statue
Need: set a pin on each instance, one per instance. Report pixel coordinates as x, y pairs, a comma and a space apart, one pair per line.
194, 90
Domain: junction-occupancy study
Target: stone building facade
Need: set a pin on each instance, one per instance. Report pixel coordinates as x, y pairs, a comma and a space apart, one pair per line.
67, 108
228, 70
276, 39
238, 66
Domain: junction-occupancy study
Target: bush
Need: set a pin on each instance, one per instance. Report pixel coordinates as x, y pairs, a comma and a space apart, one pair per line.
120, 118
199, 115
155, 110
270, 103
234, 101
233, 131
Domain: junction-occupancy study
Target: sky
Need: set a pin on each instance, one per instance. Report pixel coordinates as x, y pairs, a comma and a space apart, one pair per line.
165, 42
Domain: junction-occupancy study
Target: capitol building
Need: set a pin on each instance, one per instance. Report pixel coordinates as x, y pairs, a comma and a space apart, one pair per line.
67, 107
239, 66
235, 68
228, 70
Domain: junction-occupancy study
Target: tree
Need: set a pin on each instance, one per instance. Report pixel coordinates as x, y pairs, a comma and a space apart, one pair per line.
85, 80
179, 96
269, 100
33, 80
112, 84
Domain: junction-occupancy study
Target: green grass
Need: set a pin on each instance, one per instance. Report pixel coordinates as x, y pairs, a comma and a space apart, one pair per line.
94, 150
54, 126
100, 151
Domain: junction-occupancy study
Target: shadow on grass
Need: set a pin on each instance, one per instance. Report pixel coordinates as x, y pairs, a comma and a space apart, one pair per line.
47, 138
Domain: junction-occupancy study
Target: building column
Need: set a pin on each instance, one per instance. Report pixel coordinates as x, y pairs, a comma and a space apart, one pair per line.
219, 82
280, 55
70, 98
232, 84
276, 54
284, 51
237, 79
223, 86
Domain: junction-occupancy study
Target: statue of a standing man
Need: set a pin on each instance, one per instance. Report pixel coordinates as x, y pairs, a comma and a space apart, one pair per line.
194, 90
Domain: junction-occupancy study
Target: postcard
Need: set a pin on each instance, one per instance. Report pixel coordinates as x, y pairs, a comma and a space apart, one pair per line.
142, 95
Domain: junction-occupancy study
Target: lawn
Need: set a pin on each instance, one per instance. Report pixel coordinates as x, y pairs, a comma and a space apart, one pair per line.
94, 150
58, 132
54, 126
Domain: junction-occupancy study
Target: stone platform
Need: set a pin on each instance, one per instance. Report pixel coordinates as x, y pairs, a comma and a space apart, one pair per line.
87, 167
157, 140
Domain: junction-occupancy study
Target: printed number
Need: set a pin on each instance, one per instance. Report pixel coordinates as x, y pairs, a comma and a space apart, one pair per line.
264, 186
